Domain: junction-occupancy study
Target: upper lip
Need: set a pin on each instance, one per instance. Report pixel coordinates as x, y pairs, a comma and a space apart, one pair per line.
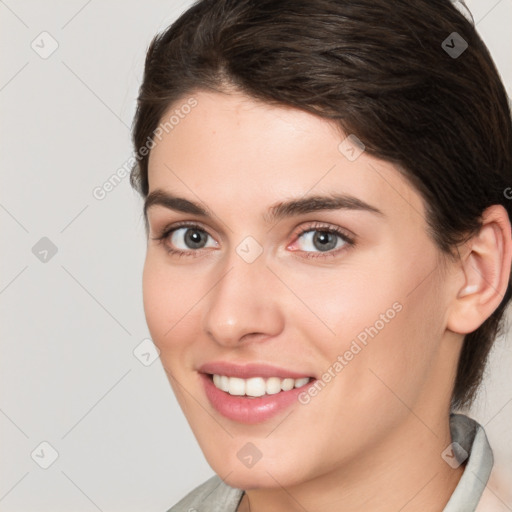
246, 371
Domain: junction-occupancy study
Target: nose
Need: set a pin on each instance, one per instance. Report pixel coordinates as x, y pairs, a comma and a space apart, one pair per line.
243, 304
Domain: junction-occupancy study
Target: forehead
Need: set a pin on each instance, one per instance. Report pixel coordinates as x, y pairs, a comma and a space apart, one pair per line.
232, 151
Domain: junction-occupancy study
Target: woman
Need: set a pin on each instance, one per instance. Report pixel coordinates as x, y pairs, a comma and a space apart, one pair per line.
329, 247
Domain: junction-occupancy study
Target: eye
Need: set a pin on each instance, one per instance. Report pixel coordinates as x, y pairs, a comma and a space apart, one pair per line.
185, 239
315, 241
322, 239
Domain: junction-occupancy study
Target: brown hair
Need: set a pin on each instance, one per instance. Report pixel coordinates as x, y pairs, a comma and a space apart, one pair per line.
381, 71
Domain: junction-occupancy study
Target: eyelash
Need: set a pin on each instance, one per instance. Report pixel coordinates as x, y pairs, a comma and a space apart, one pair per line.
349, 241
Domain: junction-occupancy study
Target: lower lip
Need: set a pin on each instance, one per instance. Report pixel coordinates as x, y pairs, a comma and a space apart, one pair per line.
247, 410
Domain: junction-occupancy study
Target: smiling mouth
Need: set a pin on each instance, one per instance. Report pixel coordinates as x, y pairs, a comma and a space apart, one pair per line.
256, 386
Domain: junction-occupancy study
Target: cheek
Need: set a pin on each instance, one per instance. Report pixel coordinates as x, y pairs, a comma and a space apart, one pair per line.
340, 305
170, 300
384, 327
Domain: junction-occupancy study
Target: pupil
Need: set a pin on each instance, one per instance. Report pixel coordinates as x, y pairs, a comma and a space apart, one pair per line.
194, 238
325, 239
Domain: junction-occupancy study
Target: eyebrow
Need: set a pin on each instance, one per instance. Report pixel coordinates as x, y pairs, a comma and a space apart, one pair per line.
276, 212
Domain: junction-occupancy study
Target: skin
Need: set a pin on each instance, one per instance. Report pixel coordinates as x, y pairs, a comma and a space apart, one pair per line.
372, 438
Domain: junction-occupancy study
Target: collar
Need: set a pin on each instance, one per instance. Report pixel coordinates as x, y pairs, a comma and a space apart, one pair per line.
468, 437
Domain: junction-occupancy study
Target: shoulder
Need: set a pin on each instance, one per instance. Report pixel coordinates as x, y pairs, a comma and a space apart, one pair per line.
211, 496
497, 495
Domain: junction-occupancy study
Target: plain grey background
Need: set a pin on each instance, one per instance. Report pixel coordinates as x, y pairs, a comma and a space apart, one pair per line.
74, 375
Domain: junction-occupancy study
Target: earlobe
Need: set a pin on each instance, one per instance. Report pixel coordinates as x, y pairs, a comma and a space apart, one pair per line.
486, 268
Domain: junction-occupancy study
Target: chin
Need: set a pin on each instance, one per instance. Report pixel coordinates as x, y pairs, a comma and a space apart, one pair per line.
248, 479
269, 473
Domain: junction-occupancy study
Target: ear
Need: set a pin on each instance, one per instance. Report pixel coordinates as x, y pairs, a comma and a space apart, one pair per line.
484, 272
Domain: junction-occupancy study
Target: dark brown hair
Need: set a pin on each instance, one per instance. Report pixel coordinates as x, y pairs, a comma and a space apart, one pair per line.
381, 71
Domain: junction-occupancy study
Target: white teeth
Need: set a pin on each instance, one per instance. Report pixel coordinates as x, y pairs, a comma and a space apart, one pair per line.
236, 386
256, 386
273, 385
301, 382
224, 383
221, 382
287, 384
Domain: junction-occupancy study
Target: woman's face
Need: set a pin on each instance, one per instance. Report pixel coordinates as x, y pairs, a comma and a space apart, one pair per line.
292, 255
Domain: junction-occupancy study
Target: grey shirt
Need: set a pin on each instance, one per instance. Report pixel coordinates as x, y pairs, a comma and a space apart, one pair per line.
468, 441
